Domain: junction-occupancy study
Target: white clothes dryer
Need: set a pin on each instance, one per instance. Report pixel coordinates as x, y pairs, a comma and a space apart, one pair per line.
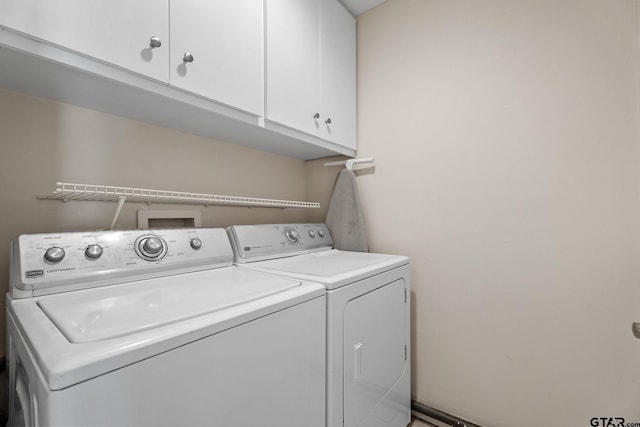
139, 328
368, 314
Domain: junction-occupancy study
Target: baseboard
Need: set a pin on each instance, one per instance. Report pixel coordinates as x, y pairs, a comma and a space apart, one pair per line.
438, 415
427, 421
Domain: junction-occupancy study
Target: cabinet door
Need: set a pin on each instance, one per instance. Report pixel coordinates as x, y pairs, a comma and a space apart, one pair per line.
117, 32
225, 39
338, 74
293, 80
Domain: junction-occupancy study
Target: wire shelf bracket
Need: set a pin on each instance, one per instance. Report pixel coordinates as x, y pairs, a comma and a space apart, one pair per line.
350, 162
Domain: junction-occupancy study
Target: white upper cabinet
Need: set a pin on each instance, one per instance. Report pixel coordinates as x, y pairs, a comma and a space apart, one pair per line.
223, 39
338, 74
116, 32
311, 68
293, 67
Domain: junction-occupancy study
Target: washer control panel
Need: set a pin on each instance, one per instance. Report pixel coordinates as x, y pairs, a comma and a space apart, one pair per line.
260, 242
41, 262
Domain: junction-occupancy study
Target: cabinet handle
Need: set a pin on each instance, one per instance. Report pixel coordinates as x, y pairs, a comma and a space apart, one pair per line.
316, 116
188, 57
155, 42
328, 121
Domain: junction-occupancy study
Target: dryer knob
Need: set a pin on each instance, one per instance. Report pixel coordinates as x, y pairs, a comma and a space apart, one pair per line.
321, 233
292, 234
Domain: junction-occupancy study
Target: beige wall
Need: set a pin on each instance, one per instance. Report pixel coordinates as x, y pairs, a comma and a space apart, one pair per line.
506, 143
43, 141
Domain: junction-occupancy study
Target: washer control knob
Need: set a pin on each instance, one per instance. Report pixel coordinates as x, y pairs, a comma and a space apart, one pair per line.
292, 234
152, 246
312, 234
196, 243
54, 254
93, 251
321, 233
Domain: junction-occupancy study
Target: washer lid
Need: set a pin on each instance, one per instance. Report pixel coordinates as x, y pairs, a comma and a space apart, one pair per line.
120, 310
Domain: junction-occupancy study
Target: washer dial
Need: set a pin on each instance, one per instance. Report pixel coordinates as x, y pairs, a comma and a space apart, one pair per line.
150, 247
54, 254
196, 243
93, 251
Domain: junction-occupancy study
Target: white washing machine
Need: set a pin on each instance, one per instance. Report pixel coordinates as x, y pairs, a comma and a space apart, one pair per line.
368, 312
133, 328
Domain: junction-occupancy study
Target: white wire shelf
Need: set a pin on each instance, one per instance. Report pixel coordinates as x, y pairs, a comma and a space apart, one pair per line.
106, 193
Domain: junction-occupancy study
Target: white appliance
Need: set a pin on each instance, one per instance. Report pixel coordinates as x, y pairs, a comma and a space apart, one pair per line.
132, 328
368, 311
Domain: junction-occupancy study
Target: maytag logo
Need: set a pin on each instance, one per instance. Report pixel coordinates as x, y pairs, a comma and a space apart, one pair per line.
34, 273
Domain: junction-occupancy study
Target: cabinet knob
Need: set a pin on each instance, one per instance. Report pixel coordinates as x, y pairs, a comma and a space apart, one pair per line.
188, 57
155, 42
328, 121
316, 116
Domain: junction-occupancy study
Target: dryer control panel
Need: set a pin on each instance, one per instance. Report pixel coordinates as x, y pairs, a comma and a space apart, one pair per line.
58, 262
268, 241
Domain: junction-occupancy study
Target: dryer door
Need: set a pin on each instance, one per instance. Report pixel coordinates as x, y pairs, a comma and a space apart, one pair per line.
374, 353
